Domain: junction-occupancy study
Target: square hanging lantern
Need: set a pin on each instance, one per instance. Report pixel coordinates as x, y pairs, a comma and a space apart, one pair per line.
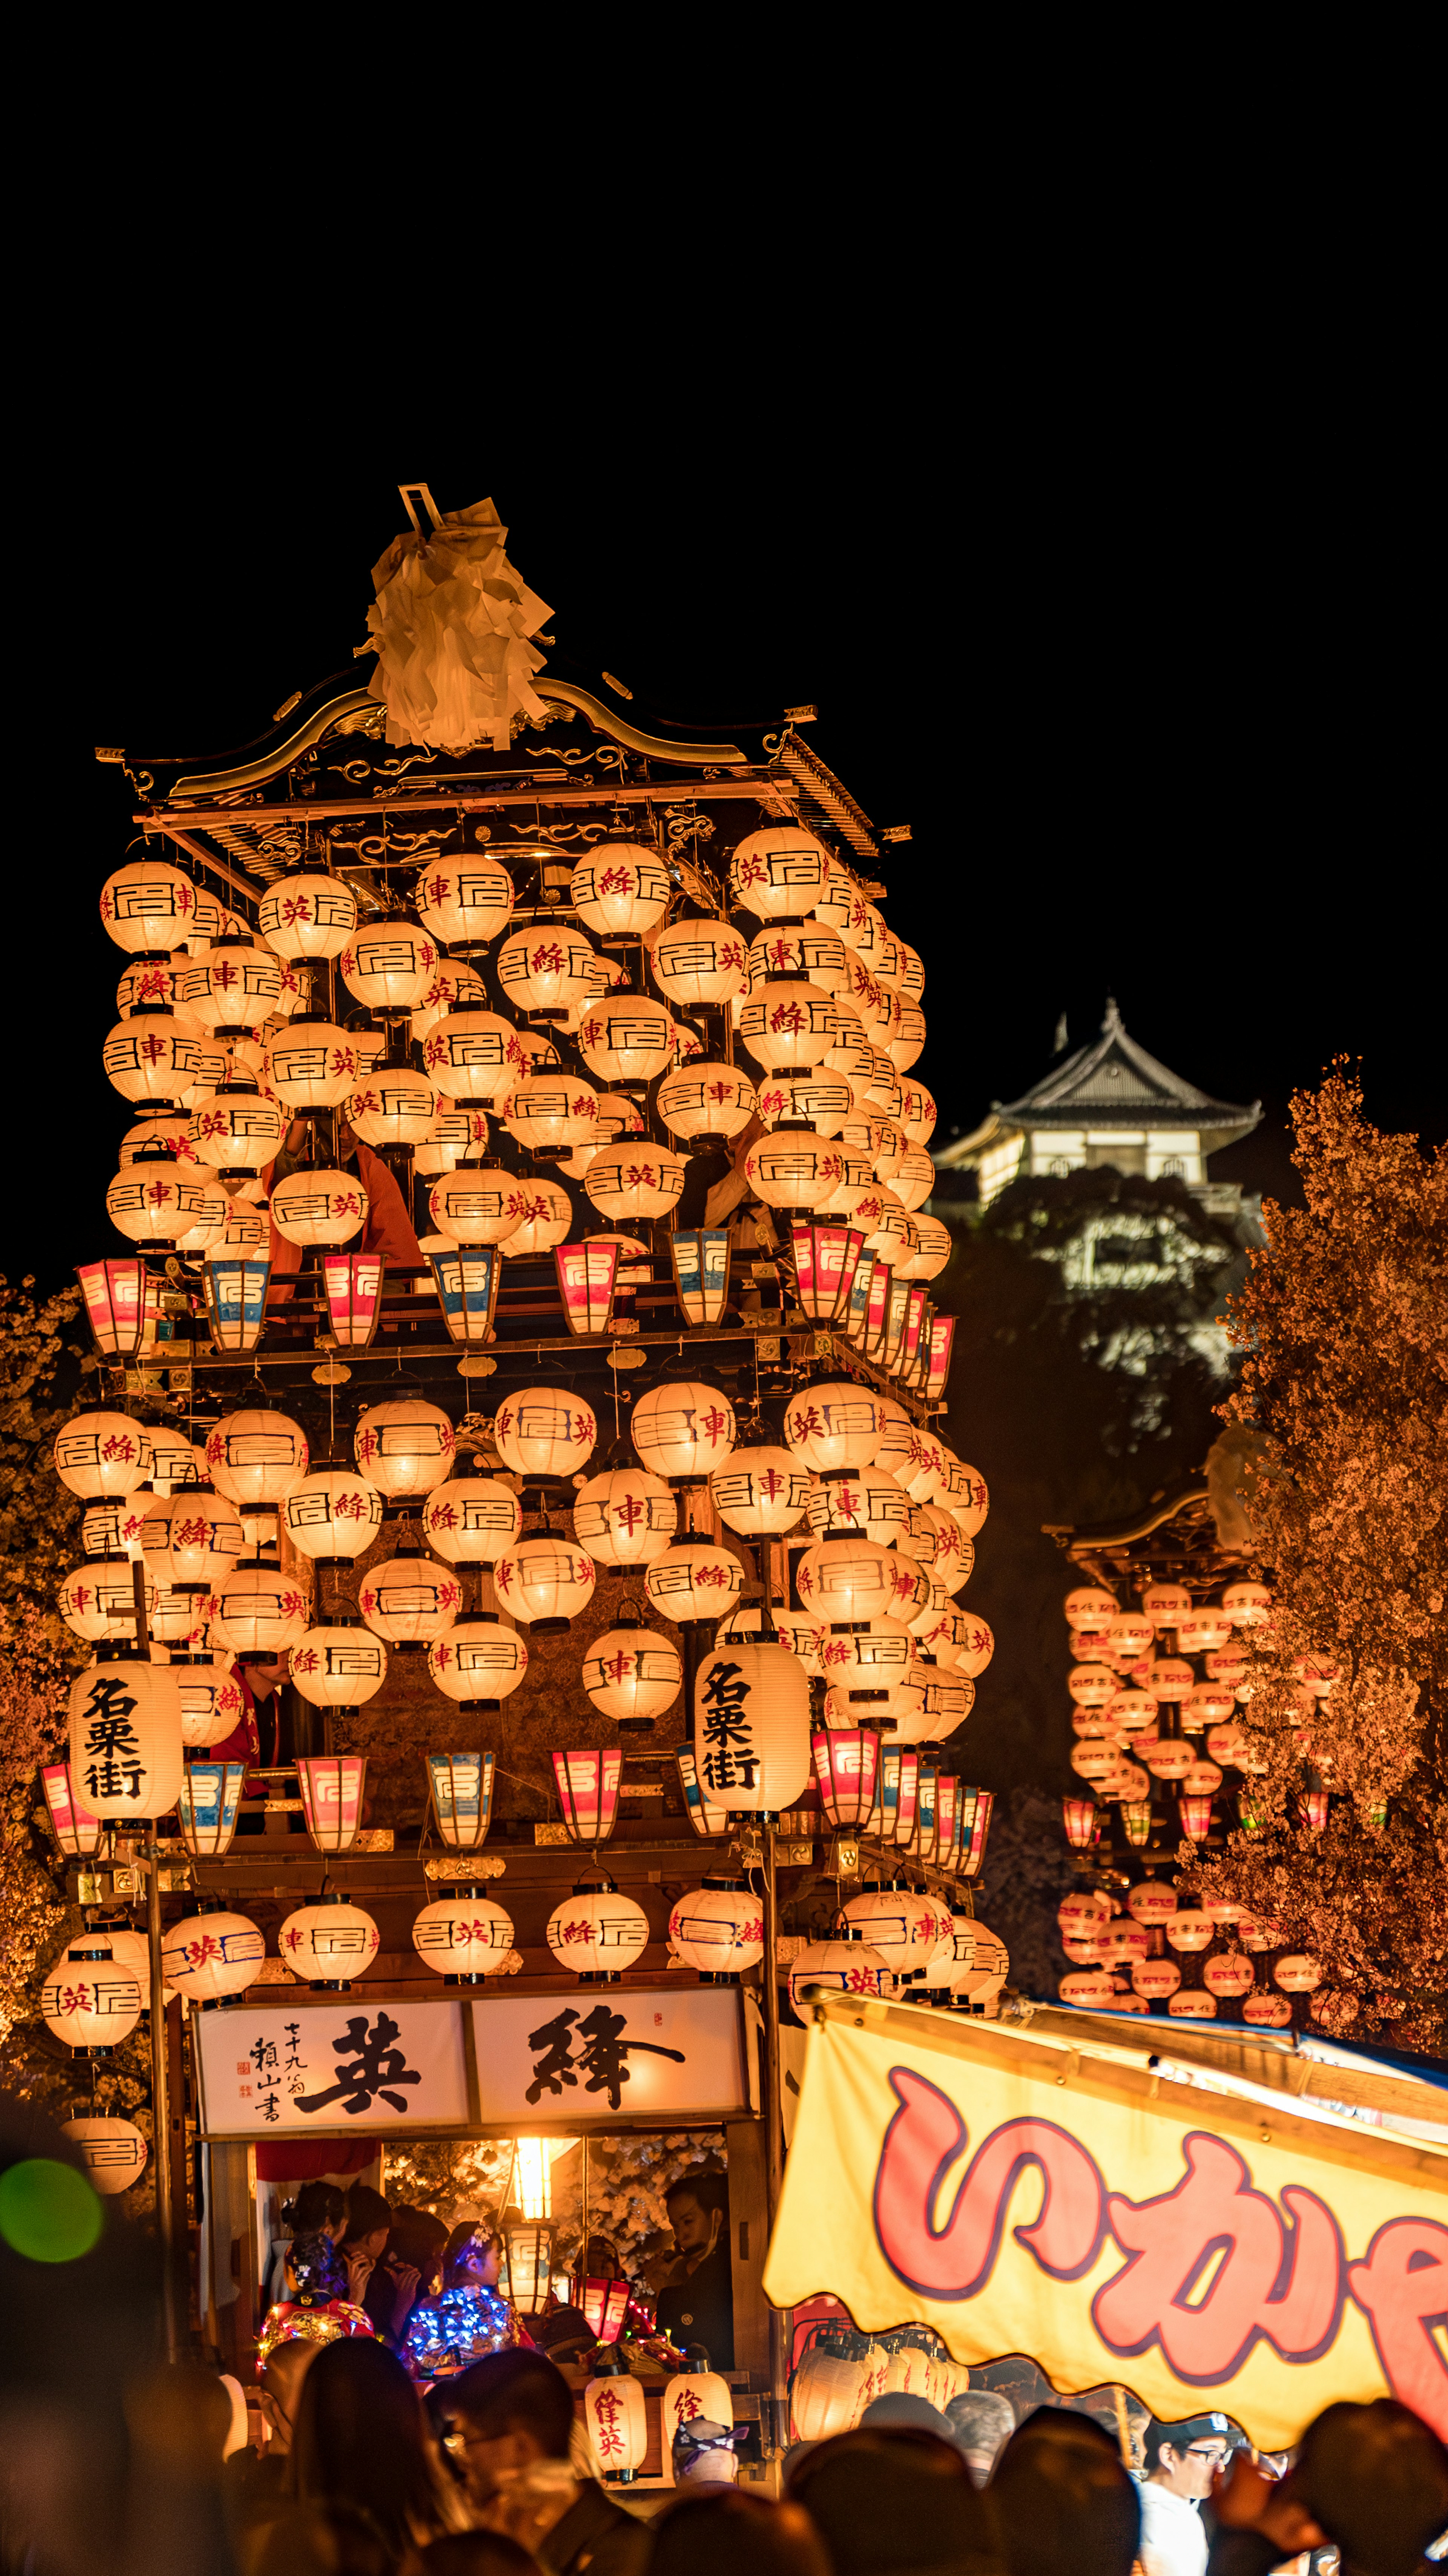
907, 1782
1081, 1817
700, 1256
1196, 1816
207, 1805
895, 1313
847, 1763
706, 1815
467, 1279
462, 1797
588, 1794
1314, 1804
877, 1318
586, 1276
922, 1842
974, 1808
942, 1338
353, 1285
331, 1785
915, 1305
76, 1831
605, 2305
529, 2261
117, 1305
857, 1310
236, 1301
826, 1258
1136, 1818
947, 1821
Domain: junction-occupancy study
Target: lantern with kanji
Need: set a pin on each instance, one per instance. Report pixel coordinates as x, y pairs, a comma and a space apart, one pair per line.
694, 1581
543, 1213
846, 1761
211, 1956
751, 1728
332, 1515
632, 1673
319, 1207
545, 1432
707, 1104
338, 1667
851, 1580
329, 1943
596, 1933
113, 2151
683, 1429
471, 1520
636, 1178
478, 1661
700, 1259
614, 2413
405, 1447
760, 1491
461, 1787
101, 1455
588, 1784
544, 1580
90, 1999
718, 1929
387, 965
99, 1601
697, 962
463, 1936
844, 1963
546, 971
125, 1740
780, 872
463, 900
625, 1517
835, 1428
147, 906
312, 1064
306, 914
191, 1538
904, 1926
258, 1611
870, 1505
255, 1457
1298, 1974
410, 1600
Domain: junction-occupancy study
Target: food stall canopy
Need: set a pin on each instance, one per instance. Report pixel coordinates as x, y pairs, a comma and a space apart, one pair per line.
1025, 2196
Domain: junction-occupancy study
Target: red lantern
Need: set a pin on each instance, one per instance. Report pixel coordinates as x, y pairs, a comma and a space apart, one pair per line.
974, 1807
846, 1761
1082, 1816
588, 1786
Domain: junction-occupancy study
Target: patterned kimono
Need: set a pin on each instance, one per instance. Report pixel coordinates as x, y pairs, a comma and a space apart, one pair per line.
457, 2328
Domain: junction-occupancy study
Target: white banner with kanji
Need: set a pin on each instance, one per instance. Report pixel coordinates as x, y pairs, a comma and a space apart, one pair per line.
357, 2063
606, 2054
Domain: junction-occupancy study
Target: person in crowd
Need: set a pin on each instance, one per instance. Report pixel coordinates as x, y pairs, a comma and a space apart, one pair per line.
514, 2422
255, 2484
1180, 2463
698, 2306
890, 2499
733, 2533
410, 2269
327, 2540
387, 1227
1370, 2480
982, 2422
317, 2308
1063, 2499
900, 2407
469, 2318
364, 2240
318, 2210
361, 2441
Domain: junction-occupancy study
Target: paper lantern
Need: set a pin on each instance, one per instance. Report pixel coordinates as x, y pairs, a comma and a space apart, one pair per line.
587, 1273
751, 1728
847, 1762
964, 1493
1192, 2003
332, 1515
596, 1933
977, 1647
1267, 2011
1171, 1757
932, 1252
835, 1428
395, 1106
404, 1447
471, 1520
847, 1580
77, 1832
1088, 1990
154, 1056
1247, 1605
718, 1929
236, 1129
546, 971
125, 1739
587, 1783
98, 1602
544, 1215
147, 907
207, 1805
626, 1038
631, 1673
1082, 1819
781, 872
191, 1539
463, 901
158, 1201
1298, 1974
459, 1135
332, 1787
235, 985
545, 1431
700, 961
1229, 1973
869, 1505
1088, 1607
307, 915
313, 1064
478, 1661
388, 963
846, 1963
113, 2151
319, 1207
790, 1170
258, 1611
544, 1580
473, 1056
826, 2394
760, 1492
792, 1629
803, 951
625, 1517
461, 1788
1189, 1929
117, 1305
1203, 1632
707, 1104
683, 1430
463, 1936
479, 1205
614, 2413
640, 1179
826, 1257
209, 1956
90, 1999
902, 1925
338, 1667
329, 1943
553, 1111
870, 1669
788, 1027
410, 1600
694, 1581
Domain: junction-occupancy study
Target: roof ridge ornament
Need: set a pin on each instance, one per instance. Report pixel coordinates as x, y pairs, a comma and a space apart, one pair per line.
1111, 1025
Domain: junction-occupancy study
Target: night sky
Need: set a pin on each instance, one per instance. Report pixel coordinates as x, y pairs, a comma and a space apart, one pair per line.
1147, 745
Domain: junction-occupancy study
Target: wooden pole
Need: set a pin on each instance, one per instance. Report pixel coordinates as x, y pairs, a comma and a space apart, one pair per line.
769, 2104
160, 2115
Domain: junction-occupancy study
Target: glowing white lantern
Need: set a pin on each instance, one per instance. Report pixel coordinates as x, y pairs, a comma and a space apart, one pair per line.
631, 1673
820, 1100
780, 873
405, 1447
625, 1517
471, 1205
474, 1056
471, 1520
332, 1515
751, 1728
694, 1581
478, 1661
914, 1179
114, 2152
319, 1207
705, 1101
904, 1927
329, 1943
545, 1431
635, 1179
459, 1135
1298, 1975
788, 1170
211, 1702
545, 971
91, 2000
388, 963
698, 962
683, 1430
835, 1427
258, 1611
614, 2412
842, 1580
191, 1538
237, 1129
454, 987
917, 1113
463, 1936
844, 1964
235, 985
544, 1580
874, 1673
148, 906
1089, 1608
626, 1037
125, 1739
313, 1064
463, 901
114, 1528
395, 1106
99, 1601
154, 1055
719, 1929
788, 1026
595, 1933
409, 1600
338, 1667
155, 1200
760, 1491
907, 1035
1247, 1605
869, 1505
307, 915
255, 1457
208, 1957
621, 889
791, 1629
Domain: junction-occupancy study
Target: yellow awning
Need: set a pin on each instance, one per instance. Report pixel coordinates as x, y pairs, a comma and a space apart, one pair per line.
1202, 2250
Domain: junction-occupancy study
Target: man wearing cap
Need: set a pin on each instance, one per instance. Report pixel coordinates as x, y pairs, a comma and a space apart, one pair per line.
1180, 2462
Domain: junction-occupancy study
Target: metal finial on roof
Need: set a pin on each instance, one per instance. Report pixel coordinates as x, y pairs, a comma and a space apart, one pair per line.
1112, 1021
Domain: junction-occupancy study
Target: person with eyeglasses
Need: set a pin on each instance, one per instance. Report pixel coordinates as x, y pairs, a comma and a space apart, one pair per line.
1180, 2463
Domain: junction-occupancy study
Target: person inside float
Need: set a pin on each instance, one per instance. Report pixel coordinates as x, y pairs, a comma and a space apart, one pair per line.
317, 2307
697, 2306
256, 1737
387, 1228
317, 2209
469, 2318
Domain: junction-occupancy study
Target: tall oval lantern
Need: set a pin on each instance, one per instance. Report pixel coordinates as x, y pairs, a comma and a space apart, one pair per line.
751, 1728
125, 1739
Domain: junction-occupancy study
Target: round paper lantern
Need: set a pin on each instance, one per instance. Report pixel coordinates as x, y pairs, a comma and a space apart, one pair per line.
179, 1618
210, 1956
453, 987
868, 1667
332, 1516
545, 1215
844, 1964
235, 984
211, 1701
307, 915
836, 1427
472, 1204
1150, 1903
99, 1601
545, 1431
552, 1111
917, 1113
807, 951
1203, 1632
313, 1064
328, 1944
1087, 1990
1085, 1909
338, 1667
471, 1519
255, 1457
410, 1600
902, 1925
1229, 1973
625, 1517
153, 1055
1189, 1930
545, 1581
842, 1580
405, 1447
319, 1207
781, 872
148, 906
760, 1491
395, 1106
632, 1673
90, 1999
1134, 1712
626, 1037
1298, 1974
463, 901
789, 1628
191, 1538
635, 1179
932, 1252
114, 2152
1165, 1604
1192, 2003
478, 1661
1247, 1604
707, 1100
388, 963
125, 1739
683, 1430
1170, 1758
1095, 1758
1267, 2012
964, 1493
258, 1611
155, 1200
463, 1936
870, 1505
786, 1170
820, 1100
474, 1056
1090, 1608
1155, 1979
694, 1581
547, 971
596, 1933
913, 1457
236, 1129
1091, 1685
719, 1929
751, 1728
459, 1135
827, 2393
788, 1026
700, 961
